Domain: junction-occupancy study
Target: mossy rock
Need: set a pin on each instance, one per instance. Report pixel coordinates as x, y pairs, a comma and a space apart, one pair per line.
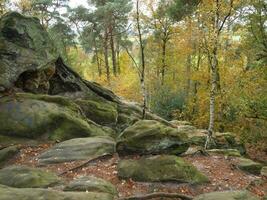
78, 149
100, 112
7, 153
160, 168
249, 166
8, 193
34, 116
225, 152
151, 137
26, 177
264, 171
180, 123
227, 195
91, 184
24, 46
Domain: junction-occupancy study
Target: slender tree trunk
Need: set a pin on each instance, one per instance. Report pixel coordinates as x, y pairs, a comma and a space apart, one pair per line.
142, 75
118, 57
163, 61
113, 53
188, 78
106, 55
97, 59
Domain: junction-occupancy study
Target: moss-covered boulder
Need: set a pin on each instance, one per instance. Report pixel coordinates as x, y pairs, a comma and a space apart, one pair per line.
180, 123
160, 168
26, 177
7, 153
151, 137
101, 112
249, 166
91, 184
78, 149
8, 193
24, 46
264, 171
227, 195
54, 117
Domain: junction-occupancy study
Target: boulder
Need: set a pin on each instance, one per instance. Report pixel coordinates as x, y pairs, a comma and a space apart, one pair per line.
78, 149
264, 171
8, 193
34, 116
24, 46
227, 195
101, 112
7, 153
249, 166
91, 184
151, 137
26, 177
160, 168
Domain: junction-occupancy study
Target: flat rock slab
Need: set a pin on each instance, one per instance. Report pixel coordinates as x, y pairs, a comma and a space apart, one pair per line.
225, 152
249, 166
78, 149
7, 153
160, 168
26, 177
8, 193
227, 195
91, 184
152, 137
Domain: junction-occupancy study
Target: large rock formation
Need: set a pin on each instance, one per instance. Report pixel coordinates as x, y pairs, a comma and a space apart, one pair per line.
43, 98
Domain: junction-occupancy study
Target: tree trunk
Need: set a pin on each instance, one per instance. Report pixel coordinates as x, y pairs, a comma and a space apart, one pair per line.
113, 53
188, 78
97, 59
142, 75
118, 57
106, 55
163, 60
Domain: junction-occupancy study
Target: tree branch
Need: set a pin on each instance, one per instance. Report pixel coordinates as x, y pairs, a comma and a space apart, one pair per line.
158, 195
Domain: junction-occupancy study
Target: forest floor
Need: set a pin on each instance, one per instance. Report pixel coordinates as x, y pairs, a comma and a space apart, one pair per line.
221, 171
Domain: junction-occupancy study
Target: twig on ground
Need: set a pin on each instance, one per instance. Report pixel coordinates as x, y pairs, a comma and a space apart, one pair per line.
83, 164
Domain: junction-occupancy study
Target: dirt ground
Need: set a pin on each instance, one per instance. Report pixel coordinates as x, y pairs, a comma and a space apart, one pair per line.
221, 171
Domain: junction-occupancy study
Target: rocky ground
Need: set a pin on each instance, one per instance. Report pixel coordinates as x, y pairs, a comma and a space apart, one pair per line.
221, 170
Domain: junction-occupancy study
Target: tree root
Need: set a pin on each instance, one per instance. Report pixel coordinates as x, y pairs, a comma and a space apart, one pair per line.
83, 164
158, 195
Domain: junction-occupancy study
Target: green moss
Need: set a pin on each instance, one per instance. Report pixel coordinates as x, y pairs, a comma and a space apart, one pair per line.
35, 116
249, 166
100, 112
26, 177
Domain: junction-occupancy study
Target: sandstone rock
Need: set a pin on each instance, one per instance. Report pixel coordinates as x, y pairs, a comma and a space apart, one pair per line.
91, 184
78, 149
35, 116
264, 171
26, 177
160, 168
151, 137
8, 193
249, 166
7, 153
227, 195
24, 46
